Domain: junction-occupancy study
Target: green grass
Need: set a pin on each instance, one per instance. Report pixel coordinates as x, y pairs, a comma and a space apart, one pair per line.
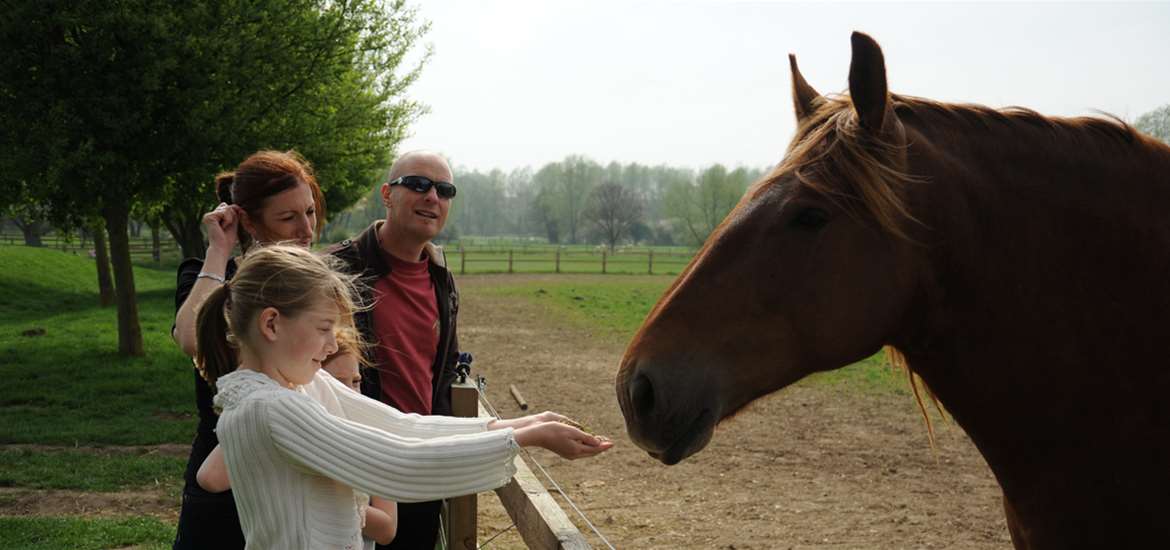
614, 308
89, 470
68, 385
68, 533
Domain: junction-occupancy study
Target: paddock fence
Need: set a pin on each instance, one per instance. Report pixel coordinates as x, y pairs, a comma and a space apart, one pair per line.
552, 259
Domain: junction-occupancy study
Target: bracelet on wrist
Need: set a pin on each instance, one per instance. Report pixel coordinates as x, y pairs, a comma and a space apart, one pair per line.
217, 278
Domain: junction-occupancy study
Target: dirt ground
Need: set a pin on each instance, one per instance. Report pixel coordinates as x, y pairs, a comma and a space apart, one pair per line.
808, 467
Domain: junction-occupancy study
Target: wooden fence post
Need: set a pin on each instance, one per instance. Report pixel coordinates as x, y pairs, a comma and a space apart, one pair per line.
509, 260
650, 269
462, 260
603, 262
461, 511
558, 259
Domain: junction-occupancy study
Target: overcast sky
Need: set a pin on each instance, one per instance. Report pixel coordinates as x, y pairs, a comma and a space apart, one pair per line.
514, 84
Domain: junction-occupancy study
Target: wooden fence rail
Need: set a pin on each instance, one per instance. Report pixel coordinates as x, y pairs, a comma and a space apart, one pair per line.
539, 519
649, 261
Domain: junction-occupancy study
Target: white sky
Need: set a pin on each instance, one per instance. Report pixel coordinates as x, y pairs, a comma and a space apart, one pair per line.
516, 84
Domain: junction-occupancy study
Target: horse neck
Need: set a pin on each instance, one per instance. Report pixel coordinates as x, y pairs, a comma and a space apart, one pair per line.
1046, 299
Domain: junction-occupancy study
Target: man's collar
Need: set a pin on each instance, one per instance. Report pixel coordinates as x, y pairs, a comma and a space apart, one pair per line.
433, 252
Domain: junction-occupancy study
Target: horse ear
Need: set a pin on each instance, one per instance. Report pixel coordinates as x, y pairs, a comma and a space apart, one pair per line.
867, 83
804, 97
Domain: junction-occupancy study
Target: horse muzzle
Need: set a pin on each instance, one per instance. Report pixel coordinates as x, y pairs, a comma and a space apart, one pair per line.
670, 417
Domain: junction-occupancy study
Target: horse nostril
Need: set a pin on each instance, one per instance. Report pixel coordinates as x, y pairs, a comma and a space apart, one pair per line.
642, 395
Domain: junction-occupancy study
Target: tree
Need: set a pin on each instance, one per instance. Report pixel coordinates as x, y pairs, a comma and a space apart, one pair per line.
142, 101
330, 84
614, 210
581, 175
699, 207
563, 190
1156, 123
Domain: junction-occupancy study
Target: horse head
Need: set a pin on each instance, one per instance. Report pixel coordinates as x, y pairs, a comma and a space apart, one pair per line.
814, 269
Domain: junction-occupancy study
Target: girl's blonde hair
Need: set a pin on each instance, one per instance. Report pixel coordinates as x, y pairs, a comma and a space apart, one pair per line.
286, 277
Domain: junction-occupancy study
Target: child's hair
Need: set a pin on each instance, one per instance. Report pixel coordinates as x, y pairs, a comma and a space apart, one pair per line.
349, 342
286, 277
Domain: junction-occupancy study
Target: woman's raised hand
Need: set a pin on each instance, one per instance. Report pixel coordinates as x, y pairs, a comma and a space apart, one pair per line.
563, 439
221, 225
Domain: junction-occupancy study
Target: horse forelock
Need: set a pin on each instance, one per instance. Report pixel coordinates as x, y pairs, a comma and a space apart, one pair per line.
860, 173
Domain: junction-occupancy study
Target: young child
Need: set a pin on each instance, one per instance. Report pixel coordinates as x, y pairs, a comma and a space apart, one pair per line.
297, 443
345, 363
379, 515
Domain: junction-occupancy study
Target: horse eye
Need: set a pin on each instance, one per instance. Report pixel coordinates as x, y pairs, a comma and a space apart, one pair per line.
810, 219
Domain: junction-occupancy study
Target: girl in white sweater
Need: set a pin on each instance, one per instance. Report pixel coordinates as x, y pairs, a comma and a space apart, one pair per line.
297, 443
379, 519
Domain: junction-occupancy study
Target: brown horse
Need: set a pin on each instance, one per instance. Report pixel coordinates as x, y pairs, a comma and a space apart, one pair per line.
1019, 263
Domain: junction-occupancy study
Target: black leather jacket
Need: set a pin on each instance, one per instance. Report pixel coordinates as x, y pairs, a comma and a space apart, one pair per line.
362, 257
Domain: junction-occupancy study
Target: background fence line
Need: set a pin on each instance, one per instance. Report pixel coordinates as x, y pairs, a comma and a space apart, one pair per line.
461, 259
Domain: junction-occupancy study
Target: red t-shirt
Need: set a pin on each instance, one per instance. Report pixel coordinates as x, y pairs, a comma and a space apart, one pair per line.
406, 325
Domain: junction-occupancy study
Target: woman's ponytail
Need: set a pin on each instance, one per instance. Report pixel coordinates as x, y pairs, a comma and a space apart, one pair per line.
214, 356
225, 192
223, 186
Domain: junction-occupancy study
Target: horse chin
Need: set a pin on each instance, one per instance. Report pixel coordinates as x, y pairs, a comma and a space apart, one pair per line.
693, 440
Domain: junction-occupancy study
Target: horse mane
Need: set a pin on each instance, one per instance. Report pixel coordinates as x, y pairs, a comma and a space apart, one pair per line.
866, 176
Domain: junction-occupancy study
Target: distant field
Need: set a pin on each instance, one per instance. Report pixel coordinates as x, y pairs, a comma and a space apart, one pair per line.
616, 307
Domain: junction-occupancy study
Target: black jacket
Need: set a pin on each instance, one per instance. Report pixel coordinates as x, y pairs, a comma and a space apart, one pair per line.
362, 257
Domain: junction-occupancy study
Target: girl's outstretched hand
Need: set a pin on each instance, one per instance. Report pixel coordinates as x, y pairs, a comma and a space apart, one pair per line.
561, 438
531, 420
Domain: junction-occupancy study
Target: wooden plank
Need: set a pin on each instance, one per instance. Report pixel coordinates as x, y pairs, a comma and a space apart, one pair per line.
461, 511
539, 519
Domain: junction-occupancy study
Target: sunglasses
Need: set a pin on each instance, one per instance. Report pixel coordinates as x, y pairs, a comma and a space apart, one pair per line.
422, 184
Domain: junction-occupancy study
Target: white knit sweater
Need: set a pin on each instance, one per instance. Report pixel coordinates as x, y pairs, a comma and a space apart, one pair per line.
294, 458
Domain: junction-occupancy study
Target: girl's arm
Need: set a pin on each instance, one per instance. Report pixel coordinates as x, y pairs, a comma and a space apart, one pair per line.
381, 520
384, 463
212, 475
370, 412
548, 429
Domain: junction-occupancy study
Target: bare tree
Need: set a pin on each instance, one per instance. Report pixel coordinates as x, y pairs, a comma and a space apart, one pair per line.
613, 210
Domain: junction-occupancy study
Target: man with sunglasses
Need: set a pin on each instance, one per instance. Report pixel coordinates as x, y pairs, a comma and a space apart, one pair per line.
411, 326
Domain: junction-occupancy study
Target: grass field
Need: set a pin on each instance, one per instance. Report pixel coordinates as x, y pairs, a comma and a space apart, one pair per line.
68, 533
67, 387
73, 399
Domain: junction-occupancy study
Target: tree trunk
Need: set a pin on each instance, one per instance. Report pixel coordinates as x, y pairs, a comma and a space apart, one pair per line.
187, 232
135, 228
155, 245
129, 330
32, 230
102, 257
550, 228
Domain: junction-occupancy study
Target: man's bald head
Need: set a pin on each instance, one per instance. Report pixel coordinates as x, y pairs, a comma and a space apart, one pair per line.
421, 163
